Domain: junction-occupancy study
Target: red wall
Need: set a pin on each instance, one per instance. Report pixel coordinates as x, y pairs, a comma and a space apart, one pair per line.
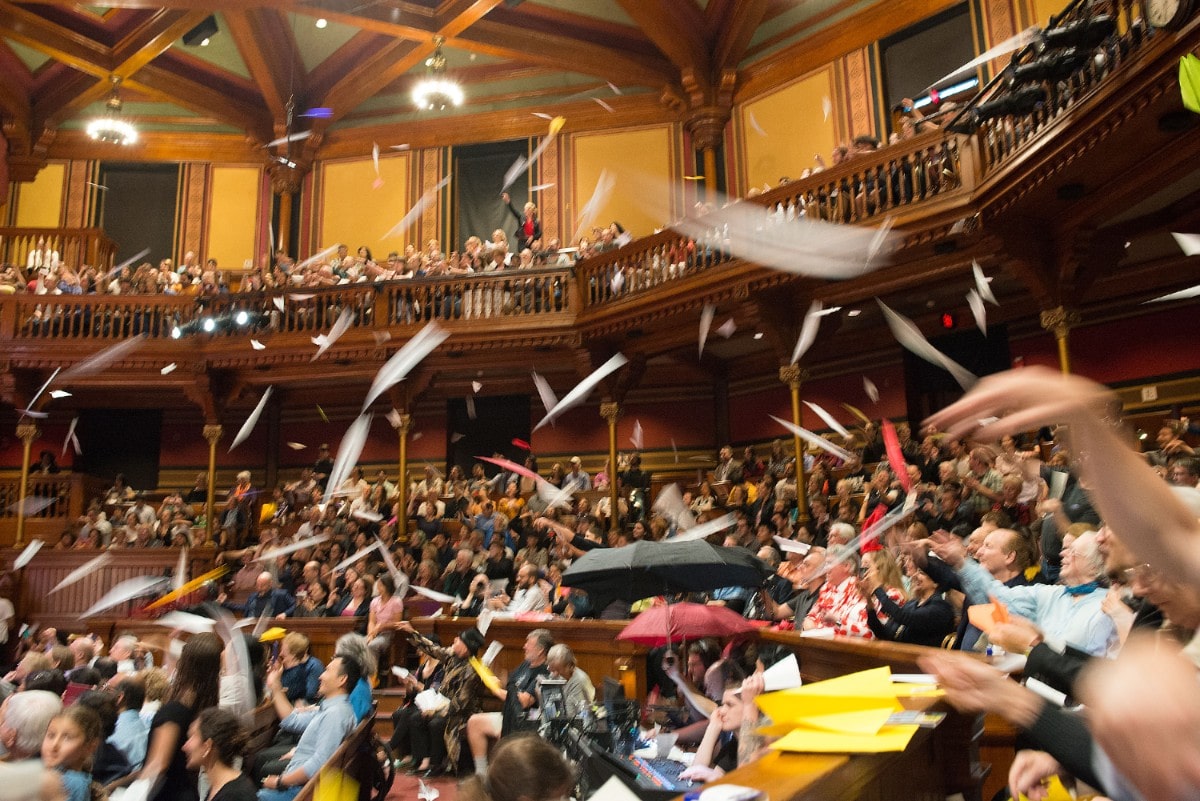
1161, 343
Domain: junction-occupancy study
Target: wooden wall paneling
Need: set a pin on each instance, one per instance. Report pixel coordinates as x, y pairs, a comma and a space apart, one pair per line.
861, 87
77, 194
994, 21
549, 171
192, 213
432, 169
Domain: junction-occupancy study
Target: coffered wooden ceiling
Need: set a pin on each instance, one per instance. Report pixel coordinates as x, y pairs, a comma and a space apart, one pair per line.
637, 57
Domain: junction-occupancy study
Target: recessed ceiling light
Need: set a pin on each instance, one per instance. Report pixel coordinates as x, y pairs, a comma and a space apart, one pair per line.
322, 22
854, 312
758, 335
204, 42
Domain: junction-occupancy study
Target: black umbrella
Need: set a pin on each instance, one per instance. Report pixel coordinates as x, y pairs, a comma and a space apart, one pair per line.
653, 568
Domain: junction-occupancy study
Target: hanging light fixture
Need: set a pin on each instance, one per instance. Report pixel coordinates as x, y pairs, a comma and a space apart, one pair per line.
111, 128
436, 91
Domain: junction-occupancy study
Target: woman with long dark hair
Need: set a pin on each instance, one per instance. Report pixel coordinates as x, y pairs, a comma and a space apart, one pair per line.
194, 688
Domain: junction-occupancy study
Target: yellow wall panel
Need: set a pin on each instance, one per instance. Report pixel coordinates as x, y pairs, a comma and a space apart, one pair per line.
39, 203
1043, 9
642, 165
355, 214
232, 215
791, 128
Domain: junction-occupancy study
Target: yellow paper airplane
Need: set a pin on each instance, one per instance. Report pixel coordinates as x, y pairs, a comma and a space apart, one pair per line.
194, 584
486, 675
813, 741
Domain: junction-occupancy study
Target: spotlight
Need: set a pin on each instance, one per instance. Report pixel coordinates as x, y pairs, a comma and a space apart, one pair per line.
176, 332
200, 34
1085, 33
322, 22
209, 325
242, 317
1052, 67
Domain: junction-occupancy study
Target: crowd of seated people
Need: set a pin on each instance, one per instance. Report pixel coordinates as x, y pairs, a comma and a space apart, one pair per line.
170, 716
1009, 521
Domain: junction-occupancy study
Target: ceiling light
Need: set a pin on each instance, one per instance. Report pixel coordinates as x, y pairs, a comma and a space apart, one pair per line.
854, 312
758, 334
111, 128
435, 92
204, 42
322, 22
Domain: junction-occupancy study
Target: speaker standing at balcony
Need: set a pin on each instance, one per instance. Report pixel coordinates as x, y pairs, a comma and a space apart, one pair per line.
529, 227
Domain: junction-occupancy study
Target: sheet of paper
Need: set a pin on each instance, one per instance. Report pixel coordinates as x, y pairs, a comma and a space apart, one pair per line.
814, 741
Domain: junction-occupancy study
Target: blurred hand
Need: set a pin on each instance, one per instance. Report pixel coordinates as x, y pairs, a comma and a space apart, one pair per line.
1030, 772
949, 548
1018, 635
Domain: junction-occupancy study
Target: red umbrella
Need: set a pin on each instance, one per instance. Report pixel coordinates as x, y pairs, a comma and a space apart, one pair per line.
686, 621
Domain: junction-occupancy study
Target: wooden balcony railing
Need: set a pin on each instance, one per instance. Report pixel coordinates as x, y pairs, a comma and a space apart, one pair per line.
1002, 136
70, 491
75, 246
929, 176
513, 297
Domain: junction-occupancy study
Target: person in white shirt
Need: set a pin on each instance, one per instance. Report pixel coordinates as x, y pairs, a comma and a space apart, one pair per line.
43, 257
528, 597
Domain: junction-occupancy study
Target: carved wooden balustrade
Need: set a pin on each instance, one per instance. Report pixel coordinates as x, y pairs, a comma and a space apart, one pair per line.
1001, 137
69, 491
926, 182
510, 299
75, 246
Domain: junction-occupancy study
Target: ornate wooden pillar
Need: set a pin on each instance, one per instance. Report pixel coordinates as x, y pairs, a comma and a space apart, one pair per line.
611, 411
212, 433
1060, 320
402, 482
28, 432
285, 182
792, 375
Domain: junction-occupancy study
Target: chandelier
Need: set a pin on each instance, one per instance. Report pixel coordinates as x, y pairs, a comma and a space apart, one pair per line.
111, 128
436, 91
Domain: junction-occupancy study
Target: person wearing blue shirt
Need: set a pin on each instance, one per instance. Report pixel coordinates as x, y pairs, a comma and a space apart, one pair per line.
267, 599
301, 671
324, 727
1067, 614
131, 733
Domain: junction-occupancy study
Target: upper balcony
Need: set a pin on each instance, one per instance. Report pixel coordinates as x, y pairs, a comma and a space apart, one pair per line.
1044, 196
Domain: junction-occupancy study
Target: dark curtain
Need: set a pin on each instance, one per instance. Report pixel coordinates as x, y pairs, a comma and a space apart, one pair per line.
478, 175
121, 441
922, 53
139, 208
930, 388
498, 419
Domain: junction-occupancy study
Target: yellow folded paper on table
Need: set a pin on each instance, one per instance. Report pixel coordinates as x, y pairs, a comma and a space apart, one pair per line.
866, 691
486, 675
845, 715
814, 741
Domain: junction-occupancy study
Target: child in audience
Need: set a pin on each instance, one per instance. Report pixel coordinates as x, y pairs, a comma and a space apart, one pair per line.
69, 744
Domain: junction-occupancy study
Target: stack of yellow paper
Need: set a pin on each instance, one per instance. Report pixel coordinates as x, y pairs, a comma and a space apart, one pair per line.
846, 715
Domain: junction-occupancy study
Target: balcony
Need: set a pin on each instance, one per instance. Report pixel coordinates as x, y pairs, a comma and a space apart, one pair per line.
1026, 194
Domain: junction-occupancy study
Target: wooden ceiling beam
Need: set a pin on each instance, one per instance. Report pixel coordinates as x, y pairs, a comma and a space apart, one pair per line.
134, 52
165, 85
268, 56
566, 54
395, 58
671, 26
733, 37
71, 48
